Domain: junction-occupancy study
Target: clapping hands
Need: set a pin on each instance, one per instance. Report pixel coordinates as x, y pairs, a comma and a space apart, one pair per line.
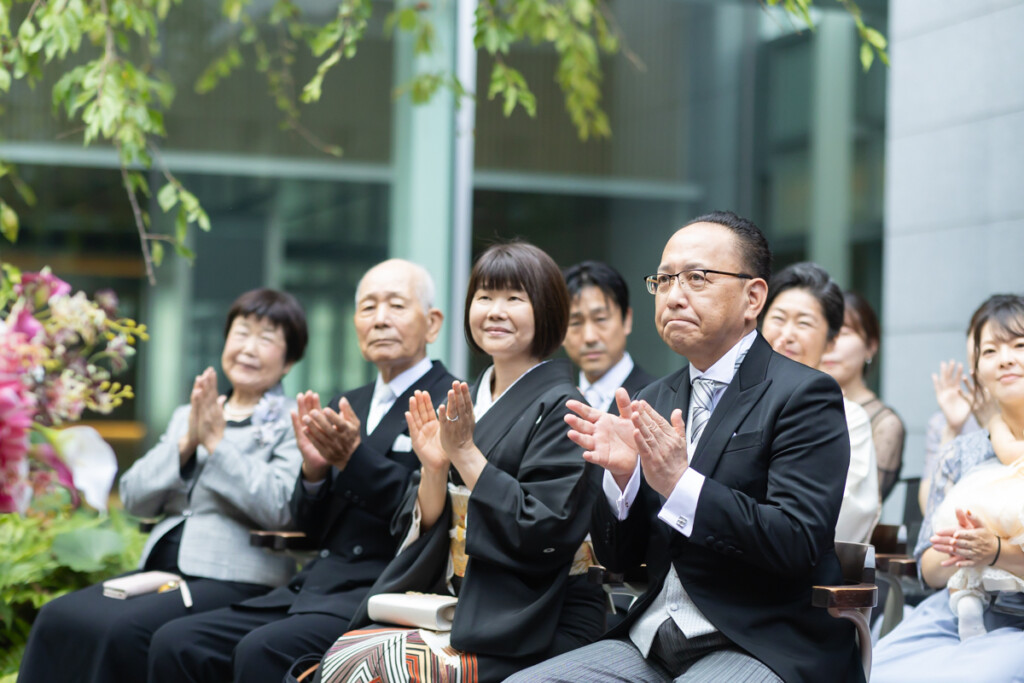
444, 437
206, 416
614, 442
425, 433
325, 437
969, 545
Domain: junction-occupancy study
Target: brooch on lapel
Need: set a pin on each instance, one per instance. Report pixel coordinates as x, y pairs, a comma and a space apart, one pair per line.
268, 416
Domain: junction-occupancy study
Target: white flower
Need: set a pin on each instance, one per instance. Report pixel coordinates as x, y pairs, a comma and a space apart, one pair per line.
92, 463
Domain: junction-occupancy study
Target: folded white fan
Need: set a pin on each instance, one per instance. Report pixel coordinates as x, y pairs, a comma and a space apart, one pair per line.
419, 610
146, 582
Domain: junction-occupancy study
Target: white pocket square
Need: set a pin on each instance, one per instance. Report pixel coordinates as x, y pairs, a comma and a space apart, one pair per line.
403, 444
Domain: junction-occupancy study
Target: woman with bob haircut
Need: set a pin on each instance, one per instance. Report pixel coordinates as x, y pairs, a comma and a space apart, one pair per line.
498, 513
225, 465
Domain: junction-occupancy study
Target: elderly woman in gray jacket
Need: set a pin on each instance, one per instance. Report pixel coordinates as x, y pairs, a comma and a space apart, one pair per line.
225, 464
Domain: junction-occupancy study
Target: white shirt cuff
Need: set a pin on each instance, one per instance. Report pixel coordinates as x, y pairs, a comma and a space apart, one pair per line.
679, 509
312, 486
620, 501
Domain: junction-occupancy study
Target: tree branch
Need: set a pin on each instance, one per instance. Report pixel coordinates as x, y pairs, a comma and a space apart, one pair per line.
140, 223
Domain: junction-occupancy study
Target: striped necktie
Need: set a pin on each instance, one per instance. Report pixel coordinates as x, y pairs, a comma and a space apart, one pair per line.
700, 405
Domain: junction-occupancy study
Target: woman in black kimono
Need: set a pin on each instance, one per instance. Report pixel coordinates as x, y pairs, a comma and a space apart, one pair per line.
501, 506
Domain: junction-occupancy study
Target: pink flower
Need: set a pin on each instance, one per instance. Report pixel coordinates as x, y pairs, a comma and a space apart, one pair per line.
15, 421
39, 287
21, 321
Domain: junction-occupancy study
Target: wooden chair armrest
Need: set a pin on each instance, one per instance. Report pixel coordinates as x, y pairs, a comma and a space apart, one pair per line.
281, 540
897, 565
859, 596
890, 539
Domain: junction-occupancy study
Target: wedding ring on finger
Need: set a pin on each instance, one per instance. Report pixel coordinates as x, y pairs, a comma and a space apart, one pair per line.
453, 419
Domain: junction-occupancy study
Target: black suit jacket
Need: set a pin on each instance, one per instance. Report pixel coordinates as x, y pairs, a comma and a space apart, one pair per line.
775, 454
528, 514
350, 514
637, 379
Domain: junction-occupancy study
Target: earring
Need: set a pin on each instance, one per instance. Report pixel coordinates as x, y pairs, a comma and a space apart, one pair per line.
868, 361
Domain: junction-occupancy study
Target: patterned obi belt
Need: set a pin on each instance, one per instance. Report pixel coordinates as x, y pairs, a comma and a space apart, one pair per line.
583, 558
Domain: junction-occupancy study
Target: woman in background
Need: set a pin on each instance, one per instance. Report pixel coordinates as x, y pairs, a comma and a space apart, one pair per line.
803, 315
855, 347
927, 644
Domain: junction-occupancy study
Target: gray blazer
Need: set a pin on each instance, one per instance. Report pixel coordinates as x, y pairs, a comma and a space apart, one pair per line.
245, 483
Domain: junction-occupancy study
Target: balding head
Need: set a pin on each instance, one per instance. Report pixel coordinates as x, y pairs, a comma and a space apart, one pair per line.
422, 282
394, 318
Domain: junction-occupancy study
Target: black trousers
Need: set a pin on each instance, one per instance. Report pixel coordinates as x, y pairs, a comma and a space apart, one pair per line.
238, 643
83, 637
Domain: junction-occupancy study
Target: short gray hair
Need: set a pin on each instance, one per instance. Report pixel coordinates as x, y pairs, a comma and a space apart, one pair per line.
425, 290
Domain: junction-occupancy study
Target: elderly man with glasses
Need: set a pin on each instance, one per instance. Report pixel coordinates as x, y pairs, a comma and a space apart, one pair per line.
726, 479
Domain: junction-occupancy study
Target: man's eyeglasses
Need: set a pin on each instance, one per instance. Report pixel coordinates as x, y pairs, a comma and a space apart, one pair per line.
694, 280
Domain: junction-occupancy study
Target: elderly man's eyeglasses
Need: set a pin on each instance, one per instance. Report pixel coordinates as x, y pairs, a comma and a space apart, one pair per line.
694, 280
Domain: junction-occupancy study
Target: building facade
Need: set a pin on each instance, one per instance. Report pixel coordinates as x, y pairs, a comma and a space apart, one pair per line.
894, 179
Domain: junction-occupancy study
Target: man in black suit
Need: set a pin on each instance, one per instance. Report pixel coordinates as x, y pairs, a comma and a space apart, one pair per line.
600, 320
357, 461
735, 542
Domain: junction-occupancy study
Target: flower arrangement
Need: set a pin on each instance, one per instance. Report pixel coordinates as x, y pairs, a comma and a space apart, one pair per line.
58, 353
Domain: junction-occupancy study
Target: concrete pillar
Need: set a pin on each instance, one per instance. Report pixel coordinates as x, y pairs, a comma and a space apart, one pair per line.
422, 158
831, 149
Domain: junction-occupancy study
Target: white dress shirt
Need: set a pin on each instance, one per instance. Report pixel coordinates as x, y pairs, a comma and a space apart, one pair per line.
386, 393
601, 394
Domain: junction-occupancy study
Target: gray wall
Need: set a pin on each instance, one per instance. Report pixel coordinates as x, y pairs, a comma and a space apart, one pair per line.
954, 208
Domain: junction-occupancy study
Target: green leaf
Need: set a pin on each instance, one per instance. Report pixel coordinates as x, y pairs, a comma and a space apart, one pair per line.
407, 19
511, 95
8, 222
875, 38
157, 252
167, 197
5, 79
181, 225
84, 550
867, 56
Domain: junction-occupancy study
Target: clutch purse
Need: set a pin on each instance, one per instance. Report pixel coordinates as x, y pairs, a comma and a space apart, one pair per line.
418, 610
146, 582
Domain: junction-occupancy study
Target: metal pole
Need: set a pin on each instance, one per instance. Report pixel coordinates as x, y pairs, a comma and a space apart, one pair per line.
462, 199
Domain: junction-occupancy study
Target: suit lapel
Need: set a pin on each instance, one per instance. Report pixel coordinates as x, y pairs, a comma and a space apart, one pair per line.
393, 423
360, 399
505, 412
742, 393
